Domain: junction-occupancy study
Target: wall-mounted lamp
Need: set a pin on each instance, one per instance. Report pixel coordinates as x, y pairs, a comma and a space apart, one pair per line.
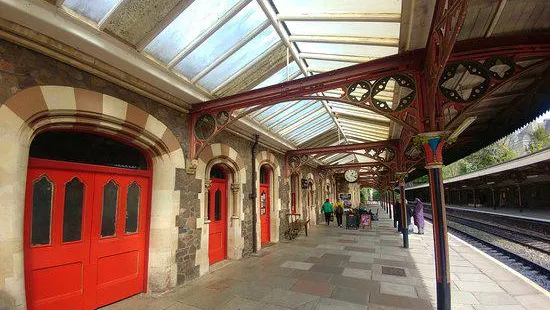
490, 183
467, 122
532, 176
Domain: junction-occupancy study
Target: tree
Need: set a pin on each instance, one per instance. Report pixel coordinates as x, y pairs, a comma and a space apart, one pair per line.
375, 195
539, 139
365, 194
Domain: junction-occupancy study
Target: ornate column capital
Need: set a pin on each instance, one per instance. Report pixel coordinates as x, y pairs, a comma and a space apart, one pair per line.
433, 143
207, 184
400, 177
235, 188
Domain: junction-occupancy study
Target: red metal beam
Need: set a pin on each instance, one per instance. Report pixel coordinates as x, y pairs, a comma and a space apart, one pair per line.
353, 165
408, 61
344, 148
404, 62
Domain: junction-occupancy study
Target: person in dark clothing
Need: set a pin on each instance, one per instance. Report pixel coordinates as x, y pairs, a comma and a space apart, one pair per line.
339, 211
397, 215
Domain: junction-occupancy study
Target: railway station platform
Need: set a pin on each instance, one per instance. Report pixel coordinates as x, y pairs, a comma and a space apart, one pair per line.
535, 214
334, 268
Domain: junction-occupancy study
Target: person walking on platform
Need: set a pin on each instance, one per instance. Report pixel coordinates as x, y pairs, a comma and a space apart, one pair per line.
419, 215
397, 215
327, 209
339, 211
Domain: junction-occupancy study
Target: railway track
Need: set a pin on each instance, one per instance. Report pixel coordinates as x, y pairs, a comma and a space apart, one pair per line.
529, 240
528, 268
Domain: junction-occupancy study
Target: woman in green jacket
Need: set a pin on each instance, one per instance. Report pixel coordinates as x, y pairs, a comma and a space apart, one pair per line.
327, 209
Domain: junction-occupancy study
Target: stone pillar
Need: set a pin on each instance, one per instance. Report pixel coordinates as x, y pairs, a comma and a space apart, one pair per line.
404, 227
474, 194
493, 196
235, 188
207, 185
433, 146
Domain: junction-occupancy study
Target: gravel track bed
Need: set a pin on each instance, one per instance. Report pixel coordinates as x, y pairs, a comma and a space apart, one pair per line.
540, 258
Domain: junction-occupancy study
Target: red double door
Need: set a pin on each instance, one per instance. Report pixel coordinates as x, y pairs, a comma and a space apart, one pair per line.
217, 214
265, 219
85, 234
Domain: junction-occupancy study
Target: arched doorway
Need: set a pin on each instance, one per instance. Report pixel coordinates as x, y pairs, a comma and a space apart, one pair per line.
217, 214
85, 221
265, 204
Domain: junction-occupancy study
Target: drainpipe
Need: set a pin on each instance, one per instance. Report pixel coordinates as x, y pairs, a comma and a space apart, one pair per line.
254, 193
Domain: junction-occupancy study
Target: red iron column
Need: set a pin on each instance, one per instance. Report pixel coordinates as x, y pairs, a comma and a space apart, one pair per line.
403, 221
433, 144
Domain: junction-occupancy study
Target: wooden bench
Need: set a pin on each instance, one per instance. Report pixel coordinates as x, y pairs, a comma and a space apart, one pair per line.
295, 226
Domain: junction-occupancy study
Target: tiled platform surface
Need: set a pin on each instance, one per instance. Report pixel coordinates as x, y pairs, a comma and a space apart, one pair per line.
335, 269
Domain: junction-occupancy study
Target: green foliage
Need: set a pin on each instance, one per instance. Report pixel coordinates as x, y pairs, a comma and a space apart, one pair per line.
496, 153
375, 195
540, 139
364, 194
421, 180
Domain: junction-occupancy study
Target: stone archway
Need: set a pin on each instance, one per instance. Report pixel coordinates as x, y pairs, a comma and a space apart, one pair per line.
266, 158
221, 154
312, 207
42, 108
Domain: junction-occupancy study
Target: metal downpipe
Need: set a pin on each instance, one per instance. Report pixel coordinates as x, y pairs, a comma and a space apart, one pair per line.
253, 195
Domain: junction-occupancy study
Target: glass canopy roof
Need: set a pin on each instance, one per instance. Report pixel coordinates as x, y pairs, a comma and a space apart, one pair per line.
214, 44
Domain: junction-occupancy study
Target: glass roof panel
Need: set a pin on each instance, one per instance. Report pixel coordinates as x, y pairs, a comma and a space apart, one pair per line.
280, 76
327, 125
94, 10
288, 111
304, 129
347, 49
352, 29
189, 25
324, 6
327, 64
273, 109
244, 56
237, 28
297, 116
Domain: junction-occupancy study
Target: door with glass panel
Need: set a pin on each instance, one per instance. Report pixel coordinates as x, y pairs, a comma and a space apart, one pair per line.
217, 214
84, 236
118, 237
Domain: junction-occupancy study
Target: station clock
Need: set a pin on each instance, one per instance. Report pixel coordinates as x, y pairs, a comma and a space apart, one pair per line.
351, 175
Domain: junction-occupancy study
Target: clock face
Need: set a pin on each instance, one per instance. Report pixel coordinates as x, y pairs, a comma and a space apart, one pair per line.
351, 176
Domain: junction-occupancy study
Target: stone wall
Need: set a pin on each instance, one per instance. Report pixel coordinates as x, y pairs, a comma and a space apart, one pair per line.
21, 68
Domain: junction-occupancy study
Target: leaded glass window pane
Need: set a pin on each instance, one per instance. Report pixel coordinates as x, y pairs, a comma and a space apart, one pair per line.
217, 205
109, 210
72, 210
132, 208
42, 199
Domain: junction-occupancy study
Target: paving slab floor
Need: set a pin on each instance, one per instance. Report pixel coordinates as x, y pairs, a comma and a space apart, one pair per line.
334, 268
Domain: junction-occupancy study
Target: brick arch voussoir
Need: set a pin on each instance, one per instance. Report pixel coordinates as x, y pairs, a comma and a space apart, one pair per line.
60, 107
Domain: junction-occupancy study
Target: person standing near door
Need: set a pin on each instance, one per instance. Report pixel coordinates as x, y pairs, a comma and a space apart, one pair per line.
327, 209
339, 211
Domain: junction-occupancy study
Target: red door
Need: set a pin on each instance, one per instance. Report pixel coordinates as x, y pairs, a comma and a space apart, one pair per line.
85, 232
217, 214
264, 213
